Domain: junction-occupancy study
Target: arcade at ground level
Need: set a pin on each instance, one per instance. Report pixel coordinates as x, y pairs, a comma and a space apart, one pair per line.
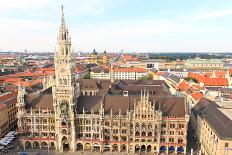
98, 147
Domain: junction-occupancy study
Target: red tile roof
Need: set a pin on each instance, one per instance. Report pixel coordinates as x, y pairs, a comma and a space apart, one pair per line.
196, 96
183, 86
208, 74
220, 73
46, 70
218, 81
8, 96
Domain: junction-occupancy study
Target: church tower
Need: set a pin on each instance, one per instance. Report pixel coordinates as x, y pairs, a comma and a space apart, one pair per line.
21, 107
65, 91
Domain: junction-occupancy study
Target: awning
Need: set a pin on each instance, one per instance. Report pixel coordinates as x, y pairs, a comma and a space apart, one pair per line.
96, 145
107, 145
163, 148
180, 149
171, 148
9, 134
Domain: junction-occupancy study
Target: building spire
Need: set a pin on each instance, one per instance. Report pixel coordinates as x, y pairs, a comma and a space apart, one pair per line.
62, 16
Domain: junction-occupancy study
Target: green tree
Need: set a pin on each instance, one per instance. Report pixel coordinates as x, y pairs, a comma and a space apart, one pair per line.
87, 76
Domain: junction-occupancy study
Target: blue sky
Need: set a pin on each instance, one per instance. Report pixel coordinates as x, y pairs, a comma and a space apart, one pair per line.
112, 25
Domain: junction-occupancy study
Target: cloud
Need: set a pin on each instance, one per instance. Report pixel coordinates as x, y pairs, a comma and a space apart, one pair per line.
211, 14
134, 34
33, 24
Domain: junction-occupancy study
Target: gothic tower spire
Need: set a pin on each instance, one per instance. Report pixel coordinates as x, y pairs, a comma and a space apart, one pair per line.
65, 91
62, 16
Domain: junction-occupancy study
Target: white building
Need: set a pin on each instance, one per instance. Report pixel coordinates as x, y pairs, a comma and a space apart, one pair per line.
129, 73
100, 73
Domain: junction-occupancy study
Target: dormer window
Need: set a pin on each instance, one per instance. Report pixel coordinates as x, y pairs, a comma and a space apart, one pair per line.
125, 93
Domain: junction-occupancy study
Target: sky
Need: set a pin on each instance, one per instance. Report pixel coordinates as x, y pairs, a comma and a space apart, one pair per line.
113, 25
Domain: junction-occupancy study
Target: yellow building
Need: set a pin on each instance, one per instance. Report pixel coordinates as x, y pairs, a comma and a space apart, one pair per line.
213, 126
94, 58
104, 58
3, 120
9, 111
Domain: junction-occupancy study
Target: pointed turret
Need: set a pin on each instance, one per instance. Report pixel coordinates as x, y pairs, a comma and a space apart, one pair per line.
62, 16
66, 89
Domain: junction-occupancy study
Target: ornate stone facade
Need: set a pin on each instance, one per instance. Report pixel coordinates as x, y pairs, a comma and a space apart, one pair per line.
112, 115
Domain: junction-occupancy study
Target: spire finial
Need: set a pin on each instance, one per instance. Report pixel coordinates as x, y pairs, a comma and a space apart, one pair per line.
62, 15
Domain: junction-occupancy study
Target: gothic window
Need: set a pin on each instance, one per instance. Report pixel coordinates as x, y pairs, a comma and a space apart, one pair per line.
65, 81
163, 125
149, 126
171, 140
143, 125
60, 81
143, 134
137, 125
137, 133
66, 50
180, 140
63, 124
62, 50
64, 131
64, 36
64, 107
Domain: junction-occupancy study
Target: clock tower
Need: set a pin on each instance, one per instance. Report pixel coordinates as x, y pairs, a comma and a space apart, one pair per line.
65, 91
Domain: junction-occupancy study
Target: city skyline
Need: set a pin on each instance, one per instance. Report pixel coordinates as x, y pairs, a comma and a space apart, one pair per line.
163, 26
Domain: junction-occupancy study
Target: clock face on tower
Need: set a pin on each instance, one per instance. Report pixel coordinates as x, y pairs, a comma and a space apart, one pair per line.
62, 70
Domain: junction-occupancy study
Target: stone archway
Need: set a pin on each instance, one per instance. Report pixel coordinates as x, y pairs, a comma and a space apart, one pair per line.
137, 148
52, 145
123, 148
44, 145
149, 148
28, 144
36, 144
87, 147
114, 147
96, 147
79, 147
65, 144
143, 148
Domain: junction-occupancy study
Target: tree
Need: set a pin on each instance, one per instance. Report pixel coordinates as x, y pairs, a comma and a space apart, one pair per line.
87, 76
144, 78
191, 79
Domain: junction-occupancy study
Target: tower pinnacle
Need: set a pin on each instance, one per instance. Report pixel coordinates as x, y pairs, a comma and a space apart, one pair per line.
62, 16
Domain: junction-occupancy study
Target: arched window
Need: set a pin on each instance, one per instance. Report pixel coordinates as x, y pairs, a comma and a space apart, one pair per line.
137, 133
65, 81
149, 126
63, 124
143, 134
143, 125
137, 125
64, 107
62, 50
66, 50
64, 131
